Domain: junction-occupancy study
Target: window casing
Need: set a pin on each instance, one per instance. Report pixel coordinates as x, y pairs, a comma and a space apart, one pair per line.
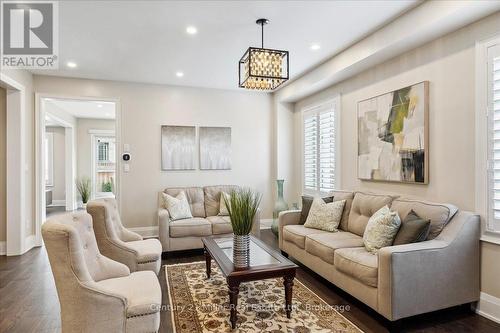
493, 107
320, 148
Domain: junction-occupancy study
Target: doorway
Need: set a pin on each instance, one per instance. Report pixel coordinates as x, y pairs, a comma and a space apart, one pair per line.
76, 154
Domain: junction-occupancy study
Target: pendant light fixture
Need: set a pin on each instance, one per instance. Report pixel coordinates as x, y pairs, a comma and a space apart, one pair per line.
263, 69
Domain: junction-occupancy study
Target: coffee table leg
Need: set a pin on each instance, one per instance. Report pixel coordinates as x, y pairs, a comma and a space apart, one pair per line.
208, 260
234, 290
288, 282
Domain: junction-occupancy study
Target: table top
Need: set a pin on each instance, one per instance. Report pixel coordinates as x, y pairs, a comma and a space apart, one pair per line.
264, 260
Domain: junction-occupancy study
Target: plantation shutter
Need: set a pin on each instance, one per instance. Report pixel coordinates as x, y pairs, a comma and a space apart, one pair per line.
319, 149
326, 151
494, 137
311, 152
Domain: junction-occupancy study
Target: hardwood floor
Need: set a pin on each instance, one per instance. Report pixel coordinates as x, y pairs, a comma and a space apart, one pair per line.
29, 303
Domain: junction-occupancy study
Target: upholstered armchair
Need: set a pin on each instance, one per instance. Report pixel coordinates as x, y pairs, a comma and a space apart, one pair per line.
97, 294
119, 243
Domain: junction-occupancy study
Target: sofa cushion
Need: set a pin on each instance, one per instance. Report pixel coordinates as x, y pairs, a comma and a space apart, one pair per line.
220, 224
307, 202
439, 214
212, 197
147, 249
348, 197
358, 263
381, 229
194, 197
297, 234
178, 206
325, 216
195, 227
324, 245
364, 205
140, 301
413, 229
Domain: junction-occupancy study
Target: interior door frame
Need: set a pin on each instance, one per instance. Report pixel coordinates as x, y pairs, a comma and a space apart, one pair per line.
39, 163
18, 218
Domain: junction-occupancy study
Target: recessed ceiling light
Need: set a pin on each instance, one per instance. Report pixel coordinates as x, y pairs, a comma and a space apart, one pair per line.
71, 64
191, 30
107, 114
99, 105
179, 74
315, 47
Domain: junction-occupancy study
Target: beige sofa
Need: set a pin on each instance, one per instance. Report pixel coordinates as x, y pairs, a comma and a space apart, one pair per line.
400, 281
97, 294
204, 202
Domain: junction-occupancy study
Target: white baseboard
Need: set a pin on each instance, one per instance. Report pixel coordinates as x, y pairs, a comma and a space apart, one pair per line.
29, 243
489, 307
58, 203
3, 248
265, 223
146, 231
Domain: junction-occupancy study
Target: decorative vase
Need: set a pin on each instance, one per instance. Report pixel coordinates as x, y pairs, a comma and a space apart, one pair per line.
241, 251
279, 206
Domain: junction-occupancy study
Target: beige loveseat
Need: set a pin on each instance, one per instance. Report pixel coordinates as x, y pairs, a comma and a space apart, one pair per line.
204, 202
399, 281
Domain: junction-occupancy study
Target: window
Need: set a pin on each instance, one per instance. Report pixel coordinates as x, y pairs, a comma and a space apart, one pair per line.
103, 151
320, 148
493, 107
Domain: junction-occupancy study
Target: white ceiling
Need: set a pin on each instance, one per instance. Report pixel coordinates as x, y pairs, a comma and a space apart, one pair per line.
82, 108
146, 41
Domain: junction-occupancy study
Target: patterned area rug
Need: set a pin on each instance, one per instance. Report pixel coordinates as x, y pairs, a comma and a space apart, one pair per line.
199, 304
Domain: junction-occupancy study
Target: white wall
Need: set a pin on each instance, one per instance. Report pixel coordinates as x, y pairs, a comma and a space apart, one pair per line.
58, 135
448, 64
3, 164
144, 108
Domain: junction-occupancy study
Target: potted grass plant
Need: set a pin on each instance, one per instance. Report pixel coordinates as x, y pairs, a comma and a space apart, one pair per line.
242, 206
84, 187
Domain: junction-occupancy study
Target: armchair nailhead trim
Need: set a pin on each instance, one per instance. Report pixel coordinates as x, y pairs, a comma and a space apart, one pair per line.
142, 315
147, 262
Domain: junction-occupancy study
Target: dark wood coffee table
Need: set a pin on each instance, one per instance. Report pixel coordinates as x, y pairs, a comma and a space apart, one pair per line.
265, 263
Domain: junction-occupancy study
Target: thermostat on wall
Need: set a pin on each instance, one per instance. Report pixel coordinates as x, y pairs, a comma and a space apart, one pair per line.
126, 157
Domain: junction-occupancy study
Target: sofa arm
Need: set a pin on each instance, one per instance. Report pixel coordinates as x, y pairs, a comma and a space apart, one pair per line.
287, 217
431, 275
163, 230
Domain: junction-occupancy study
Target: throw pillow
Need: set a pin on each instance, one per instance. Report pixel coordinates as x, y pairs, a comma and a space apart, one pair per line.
413, 229
381, 229
325, 216
222, 206
178, 207
306, 206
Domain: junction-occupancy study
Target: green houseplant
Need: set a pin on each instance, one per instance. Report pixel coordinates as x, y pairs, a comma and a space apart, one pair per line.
242, 206
84, 187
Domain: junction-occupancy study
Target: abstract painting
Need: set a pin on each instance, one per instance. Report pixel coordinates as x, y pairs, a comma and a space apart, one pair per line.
215, 148
393, 136
178, 147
